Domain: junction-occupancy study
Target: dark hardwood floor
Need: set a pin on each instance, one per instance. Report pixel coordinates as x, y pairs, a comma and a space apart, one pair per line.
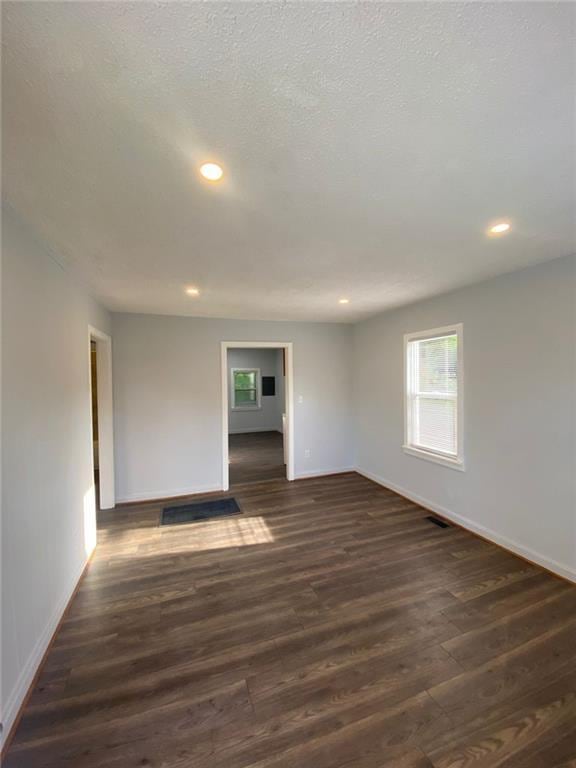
329, 626
255, 457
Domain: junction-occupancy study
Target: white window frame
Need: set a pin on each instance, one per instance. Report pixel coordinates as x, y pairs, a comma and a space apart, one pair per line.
454, 462
258, 404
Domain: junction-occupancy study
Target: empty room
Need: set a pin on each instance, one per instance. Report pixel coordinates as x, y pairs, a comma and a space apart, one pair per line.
288, 377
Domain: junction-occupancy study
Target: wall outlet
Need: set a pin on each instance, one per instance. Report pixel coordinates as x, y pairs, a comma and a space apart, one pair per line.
300, 399
307, 453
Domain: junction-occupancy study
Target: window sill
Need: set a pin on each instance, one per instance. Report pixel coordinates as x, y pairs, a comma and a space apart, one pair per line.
247, 408
437, 458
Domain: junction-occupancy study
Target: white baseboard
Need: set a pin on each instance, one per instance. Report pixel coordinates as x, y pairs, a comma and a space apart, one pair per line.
26, 677
322, 472
127, 498
560, 569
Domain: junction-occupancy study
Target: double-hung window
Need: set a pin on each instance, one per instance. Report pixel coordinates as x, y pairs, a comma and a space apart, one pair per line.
245, 389
433, 389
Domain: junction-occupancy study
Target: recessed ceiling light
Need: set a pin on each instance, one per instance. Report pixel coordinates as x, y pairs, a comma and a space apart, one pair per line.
343, 301
211, 171
500, 228
192, 291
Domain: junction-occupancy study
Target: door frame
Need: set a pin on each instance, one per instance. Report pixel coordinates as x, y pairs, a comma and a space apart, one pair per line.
105, 416
287, 346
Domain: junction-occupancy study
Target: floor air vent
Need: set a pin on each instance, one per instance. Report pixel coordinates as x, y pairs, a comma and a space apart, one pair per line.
437, 521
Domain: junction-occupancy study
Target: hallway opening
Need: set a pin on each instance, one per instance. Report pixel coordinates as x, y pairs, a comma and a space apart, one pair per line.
256, 412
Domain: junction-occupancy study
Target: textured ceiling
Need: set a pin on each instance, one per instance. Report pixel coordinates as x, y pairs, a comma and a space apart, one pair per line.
366, 147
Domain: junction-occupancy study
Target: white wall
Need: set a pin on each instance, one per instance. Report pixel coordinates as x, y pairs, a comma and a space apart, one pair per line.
168, 399
48, 523
268, 417
519, 410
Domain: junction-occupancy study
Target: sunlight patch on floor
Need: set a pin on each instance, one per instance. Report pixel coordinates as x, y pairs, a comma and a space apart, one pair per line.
90, 520
219, 534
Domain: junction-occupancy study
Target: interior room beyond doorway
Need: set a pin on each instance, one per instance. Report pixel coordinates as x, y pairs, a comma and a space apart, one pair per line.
256, 414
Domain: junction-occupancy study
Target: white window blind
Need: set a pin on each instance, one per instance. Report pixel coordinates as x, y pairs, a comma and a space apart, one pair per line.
432, 393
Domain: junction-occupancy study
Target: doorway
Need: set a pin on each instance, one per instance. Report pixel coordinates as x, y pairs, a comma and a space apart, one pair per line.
100, 346
257, 412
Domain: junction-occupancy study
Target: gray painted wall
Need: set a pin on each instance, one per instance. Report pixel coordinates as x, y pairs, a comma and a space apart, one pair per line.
168, 399
47, 514
519, 409
269, 416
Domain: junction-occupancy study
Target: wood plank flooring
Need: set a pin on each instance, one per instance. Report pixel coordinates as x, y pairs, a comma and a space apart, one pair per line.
255, 457
329, 626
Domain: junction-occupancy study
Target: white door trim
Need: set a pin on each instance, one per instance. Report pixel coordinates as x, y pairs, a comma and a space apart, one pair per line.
105, 416
289, 396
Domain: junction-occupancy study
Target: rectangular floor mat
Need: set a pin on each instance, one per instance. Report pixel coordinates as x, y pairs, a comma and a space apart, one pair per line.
201, 510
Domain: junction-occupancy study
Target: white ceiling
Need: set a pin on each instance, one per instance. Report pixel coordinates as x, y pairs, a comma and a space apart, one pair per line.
366, 148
